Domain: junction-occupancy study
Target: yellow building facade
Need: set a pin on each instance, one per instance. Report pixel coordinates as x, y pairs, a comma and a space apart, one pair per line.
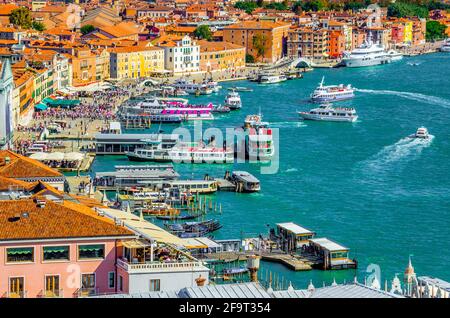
135, 61
218, 56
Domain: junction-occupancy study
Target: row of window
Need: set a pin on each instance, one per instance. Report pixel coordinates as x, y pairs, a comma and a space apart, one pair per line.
54, 253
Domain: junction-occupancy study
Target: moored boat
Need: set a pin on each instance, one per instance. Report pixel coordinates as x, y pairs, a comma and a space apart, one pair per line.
246, 180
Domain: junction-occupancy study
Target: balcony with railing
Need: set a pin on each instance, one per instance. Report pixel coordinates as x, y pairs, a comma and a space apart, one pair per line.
157, 267
86, 292
57, 293
18, 294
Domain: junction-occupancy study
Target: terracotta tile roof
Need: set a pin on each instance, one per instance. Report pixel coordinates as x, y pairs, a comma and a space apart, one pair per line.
266, 25
54, 220
130, 49
5, 9
8, 183
23, 167
207, 46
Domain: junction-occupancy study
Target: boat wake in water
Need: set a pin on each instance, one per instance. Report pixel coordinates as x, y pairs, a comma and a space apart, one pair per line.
428, 99
405, 149
286, 124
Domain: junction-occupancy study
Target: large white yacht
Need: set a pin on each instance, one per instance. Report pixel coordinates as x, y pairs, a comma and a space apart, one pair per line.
330, 93
326, 112
370, 54
233, 100
446, 46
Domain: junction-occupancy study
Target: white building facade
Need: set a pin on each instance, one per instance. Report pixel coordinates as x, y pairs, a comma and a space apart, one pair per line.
182, 56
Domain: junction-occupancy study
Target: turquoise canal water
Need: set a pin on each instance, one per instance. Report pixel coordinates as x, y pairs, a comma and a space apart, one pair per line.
364, 184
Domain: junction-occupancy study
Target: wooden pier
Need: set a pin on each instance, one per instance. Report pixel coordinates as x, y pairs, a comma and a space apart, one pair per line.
295, 263
225, 185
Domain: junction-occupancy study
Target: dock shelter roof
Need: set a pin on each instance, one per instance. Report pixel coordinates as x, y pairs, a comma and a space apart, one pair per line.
200, 242
146, 229
328, 244
294, 228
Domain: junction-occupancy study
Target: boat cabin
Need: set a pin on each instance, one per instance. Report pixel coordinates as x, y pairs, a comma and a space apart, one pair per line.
293, 236
333, 255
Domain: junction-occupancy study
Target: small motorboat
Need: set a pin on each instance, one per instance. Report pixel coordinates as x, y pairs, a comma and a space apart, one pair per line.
421, 133
220, 109
240, 89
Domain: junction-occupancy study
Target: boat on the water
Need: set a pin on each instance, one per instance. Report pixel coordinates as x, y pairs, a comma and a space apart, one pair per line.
272, 78
233, 100
240, 89
220, 109
246, 180
446, 46
199, 152
193, 229
421, 133
329, 93
193, 88
259, 142
370, 54
326, 112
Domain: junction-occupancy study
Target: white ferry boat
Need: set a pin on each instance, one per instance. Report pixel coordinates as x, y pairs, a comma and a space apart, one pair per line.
272, 79
248, 181
326, 112
194, 152
259, 144
329, 93
193, 88
233, 100
370, 54
421, 133
446, 46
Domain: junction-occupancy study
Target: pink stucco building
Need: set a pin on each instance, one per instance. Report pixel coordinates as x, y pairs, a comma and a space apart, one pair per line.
57, 249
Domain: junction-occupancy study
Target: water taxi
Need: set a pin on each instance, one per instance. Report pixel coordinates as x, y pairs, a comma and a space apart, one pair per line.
246, 181
240, 89
259, 143
326, 112
233, 100
421, 133
329, 93
272, 79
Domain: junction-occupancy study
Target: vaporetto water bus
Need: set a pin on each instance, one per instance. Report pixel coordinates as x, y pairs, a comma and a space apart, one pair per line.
326, 112
330, 93
233, 100
259, 143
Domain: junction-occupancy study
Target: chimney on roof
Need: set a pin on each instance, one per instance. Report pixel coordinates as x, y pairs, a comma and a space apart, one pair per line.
40, 203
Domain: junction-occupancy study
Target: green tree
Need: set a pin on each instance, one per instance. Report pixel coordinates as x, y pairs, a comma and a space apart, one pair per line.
87, 29
38, 26
203, 32
435, 30
21, 17
247, 6
259, 44
249, 58
277, 6
403, 9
